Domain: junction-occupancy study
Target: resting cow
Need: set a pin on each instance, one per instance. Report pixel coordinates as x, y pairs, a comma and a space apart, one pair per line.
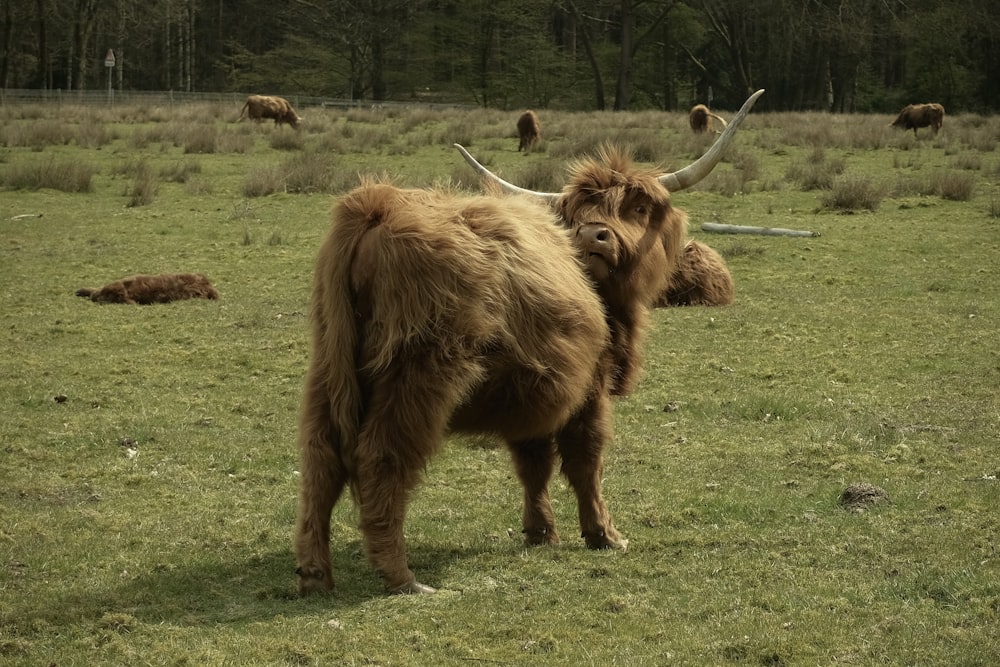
529, 130
146, 290
914, 116
259, 107
518, 316
700, 278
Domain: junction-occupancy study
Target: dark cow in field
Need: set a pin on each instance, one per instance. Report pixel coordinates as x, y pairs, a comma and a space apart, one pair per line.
260, 107
700, 278
700, 118
519, 316
914, 116
145, 289
529, 130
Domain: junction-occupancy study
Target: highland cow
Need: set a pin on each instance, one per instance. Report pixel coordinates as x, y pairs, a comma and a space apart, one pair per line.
914, 116
514, 316
146, 290
529, 130
701, 120
259, 107
700, 278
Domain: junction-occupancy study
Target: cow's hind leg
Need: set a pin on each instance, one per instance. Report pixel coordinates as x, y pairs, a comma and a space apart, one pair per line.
405, 423
323, 477
580, 444
533, 461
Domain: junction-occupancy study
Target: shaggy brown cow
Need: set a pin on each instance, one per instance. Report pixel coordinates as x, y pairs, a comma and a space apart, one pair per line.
529, 129
259, 107
700, 119
434, 312
915, 116
145, 290
700, 278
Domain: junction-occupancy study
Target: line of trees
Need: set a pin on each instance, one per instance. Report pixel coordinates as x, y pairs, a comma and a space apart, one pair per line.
837, 55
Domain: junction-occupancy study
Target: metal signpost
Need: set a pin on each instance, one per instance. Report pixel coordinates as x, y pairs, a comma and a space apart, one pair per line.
109, 62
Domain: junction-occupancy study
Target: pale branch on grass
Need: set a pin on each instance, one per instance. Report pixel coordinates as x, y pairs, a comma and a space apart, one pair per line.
744, 229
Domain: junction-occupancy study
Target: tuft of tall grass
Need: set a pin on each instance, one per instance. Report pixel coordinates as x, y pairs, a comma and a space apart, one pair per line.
287, 141
58, 174
201, 139
180, 172
144, 187
852, 192
953, 185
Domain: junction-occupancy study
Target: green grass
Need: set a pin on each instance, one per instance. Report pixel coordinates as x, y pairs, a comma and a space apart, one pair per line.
147, 519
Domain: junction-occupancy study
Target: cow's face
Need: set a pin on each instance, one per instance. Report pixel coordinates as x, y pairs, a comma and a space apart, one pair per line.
623, 226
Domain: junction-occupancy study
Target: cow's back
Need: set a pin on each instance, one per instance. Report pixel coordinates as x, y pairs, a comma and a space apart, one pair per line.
492, 283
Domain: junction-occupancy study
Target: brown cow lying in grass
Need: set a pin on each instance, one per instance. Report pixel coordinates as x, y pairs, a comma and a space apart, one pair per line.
145, 289
700, 278
517, 316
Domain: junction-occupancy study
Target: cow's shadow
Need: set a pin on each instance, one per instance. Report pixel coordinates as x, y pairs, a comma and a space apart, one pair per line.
206, 590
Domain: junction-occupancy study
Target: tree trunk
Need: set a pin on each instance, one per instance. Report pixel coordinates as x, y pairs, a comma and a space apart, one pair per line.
623, 86
595, 68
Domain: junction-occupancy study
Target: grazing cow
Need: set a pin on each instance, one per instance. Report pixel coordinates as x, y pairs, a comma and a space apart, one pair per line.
145, 290
700, 278
517, 316
259, 107
915, 116
701, 119
529, 130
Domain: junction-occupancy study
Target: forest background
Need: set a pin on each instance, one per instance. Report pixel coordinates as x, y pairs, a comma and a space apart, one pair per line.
833, 55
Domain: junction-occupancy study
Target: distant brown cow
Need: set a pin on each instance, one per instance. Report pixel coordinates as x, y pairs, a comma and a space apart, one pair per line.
259, 107
518, 316
529, 130
700, 119
915, 116
700, 278
145, 289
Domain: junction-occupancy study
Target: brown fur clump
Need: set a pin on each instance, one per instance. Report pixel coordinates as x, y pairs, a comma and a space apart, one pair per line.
700, 278
914, 116
434, 312
146, 289
529, 130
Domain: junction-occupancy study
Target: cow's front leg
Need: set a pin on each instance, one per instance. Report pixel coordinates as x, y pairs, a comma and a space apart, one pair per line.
533, 461
581, 443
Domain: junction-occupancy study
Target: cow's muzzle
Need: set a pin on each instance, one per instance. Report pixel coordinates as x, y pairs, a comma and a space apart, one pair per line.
598, 247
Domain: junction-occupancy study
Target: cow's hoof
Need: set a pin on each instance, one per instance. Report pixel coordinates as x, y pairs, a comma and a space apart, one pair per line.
412, 588
313, 580
534, 537
603, 540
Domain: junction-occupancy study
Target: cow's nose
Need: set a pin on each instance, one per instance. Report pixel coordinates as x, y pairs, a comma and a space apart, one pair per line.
594, 233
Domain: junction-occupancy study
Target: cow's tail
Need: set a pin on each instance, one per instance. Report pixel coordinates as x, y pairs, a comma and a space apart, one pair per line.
86, 292
246, 105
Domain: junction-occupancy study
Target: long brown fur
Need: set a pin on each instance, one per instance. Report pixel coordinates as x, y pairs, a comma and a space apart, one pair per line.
529, 130
914, 116
272, 107
145, 289
700, 278
434, 312
702, 119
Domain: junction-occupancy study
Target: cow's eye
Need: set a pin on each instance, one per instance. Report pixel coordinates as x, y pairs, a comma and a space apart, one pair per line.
642, 209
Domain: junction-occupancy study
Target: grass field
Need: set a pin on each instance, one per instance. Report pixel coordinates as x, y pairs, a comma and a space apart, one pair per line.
146, 515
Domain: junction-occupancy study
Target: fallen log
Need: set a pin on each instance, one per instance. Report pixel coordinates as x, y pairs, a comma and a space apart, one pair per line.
743, 229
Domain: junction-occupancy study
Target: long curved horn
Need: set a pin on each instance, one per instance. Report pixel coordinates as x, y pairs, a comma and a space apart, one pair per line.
703, 166
510, 188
